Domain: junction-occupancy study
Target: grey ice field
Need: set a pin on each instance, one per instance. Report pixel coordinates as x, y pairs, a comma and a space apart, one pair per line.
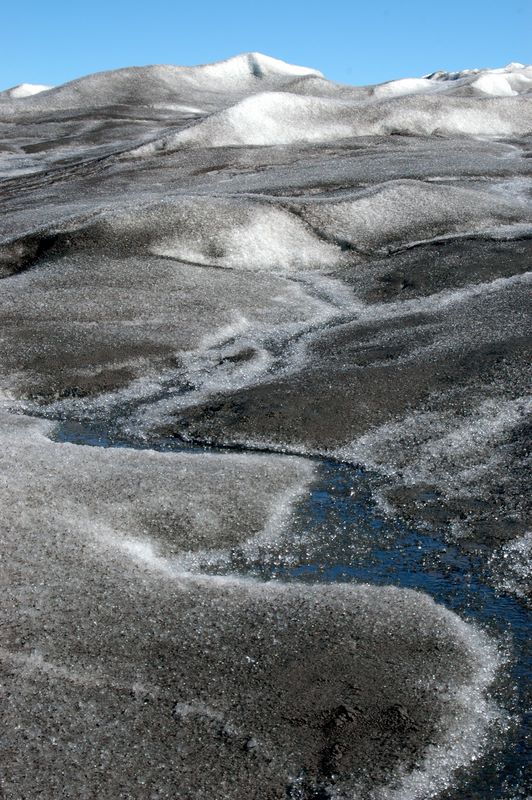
264, 430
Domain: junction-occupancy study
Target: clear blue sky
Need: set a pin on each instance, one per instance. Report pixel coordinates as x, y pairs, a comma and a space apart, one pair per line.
52, 41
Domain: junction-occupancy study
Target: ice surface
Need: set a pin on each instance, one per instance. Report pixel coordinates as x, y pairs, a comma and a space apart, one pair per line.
454, 453
110, 639
249, 257
459, 357
510, 566
229, 233
145, 496
280, 118
408, 211
167, 313
165, 84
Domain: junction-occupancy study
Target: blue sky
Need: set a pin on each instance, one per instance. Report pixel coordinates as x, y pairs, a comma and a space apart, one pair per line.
52, 41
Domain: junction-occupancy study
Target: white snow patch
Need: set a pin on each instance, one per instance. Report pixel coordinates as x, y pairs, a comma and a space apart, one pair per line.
401, 87
25, 90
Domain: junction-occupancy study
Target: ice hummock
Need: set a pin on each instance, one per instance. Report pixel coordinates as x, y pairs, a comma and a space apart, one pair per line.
159, 84
259, 100
24, 90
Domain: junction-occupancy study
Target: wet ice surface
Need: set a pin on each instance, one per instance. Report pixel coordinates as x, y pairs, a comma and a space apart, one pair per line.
119, 621
288, 320
355, 543
336, 533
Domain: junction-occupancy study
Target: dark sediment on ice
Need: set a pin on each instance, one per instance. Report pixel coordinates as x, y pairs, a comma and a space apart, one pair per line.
249, 256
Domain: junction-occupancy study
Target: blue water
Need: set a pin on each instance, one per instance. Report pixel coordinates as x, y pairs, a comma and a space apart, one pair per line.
347, 540
395, 554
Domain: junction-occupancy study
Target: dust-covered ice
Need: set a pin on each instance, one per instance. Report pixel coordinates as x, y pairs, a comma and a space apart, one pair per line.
225, 274
106, 638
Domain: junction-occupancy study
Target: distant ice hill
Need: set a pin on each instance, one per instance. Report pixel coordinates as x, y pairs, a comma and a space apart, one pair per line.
257, 100
24, 90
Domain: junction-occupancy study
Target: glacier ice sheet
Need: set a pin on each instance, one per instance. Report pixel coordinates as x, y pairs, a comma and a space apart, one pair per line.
248, 255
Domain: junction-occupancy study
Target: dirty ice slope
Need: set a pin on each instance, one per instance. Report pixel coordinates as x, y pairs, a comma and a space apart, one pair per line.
247, 255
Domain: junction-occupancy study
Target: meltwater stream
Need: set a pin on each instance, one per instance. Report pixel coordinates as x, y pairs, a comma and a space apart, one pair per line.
338, 535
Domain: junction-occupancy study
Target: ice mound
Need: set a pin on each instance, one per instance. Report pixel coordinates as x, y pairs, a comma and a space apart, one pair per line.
249, 65
403, 212
110, 640
246, 242
508, 81
231, 232
476, 458
24, 90
281, 118
242, 494
281, 235
452, 116
447, 453
510, 567
403, 86
256, 100
503, 85
271, 118
163, 84
514, 78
